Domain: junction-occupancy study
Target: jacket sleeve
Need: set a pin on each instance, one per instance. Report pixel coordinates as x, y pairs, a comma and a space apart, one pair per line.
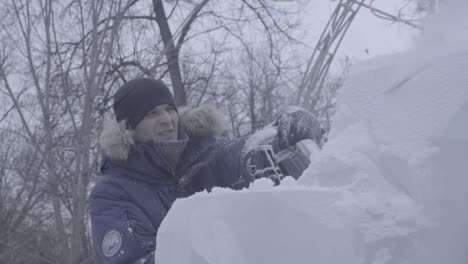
230, 163
121, 232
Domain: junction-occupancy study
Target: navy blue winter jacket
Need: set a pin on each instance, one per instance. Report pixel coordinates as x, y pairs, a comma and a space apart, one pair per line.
137, 188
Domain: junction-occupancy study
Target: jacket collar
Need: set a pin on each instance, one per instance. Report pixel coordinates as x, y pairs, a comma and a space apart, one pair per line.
145, 162
122, 155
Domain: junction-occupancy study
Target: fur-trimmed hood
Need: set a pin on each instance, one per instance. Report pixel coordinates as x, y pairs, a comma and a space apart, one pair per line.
203, 121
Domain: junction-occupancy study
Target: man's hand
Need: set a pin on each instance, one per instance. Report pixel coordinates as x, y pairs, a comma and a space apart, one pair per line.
296, 124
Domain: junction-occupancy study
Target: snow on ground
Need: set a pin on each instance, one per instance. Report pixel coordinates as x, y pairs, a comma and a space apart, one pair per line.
389, 187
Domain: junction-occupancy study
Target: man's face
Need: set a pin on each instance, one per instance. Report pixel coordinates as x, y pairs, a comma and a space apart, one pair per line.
159, 124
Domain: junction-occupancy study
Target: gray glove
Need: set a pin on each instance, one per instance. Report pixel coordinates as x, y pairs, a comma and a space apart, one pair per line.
296, 124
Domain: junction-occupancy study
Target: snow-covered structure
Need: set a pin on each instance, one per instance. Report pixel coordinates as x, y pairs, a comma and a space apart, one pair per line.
389, 187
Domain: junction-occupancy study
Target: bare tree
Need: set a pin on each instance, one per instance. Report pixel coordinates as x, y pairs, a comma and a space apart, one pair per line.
243, 13
172, 48
67, 76
93, 71
60, 62
21, 208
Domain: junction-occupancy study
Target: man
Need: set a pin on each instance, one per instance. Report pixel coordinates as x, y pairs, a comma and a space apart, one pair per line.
153, 155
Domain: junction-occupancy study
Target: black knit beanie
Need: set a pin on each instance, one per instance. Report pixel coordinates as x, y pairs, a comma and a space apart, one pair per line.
137, 97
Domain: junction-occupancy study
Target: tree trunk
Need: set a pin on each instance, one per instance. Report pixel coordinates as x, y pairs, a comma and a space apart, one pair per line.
172, 53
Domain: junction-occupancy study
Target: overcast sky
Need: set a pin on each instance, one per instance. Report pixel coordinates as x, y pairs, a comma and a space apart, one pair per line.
367, 31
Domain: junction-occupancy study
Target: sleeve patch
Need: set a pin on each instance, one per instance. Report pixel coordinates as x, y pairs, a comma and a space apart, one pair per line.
111, 243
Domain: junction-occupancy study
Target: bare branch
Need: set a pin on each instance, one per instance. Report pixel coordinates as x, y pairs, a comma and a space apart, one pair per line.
188, 23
